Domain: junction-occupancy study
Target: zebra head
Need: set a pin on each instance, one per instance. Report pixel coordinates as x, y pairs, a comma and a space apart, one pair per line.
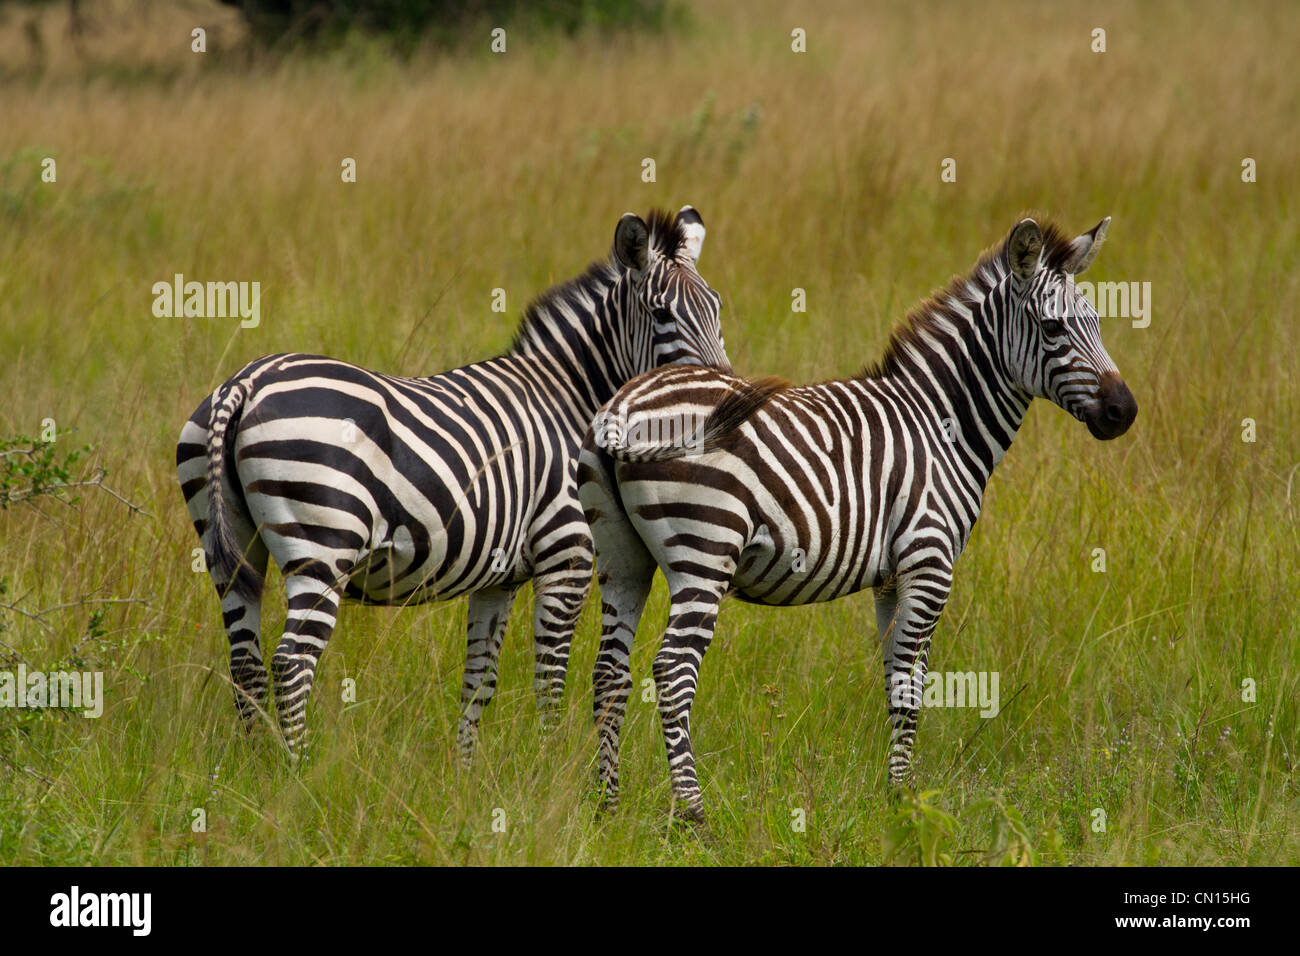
1055, 333
673, 314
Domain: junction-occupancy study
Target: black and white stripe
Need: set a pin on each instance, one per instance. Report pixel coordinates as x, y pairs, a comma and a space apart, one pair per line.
395, 490
790, 495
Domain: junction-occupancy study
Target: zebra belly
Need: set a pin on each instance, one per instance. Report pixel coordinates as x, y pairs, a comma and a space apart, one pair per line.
789, 576
387, 541
385, 574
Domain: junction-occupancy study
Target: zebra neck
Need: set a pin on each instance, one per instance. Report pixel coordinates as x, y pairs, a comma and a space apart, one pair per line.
573, 350
955, 374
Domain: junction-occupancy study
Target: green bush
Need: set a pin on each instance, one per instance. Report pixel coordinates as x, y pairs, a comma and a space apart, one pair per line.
442, 21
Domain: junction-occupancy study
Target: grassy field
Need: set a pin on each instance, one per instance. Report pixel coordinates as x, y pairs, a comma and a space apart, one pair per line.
816, 170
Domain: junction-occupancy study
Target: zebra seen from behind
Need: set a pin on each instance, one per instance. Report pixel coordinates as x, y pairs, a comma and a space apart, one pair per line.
790, 495
394, 490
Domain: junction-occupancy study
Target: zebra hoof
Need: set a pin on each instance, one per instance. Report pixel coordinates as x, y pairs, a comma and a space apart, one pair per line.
690, 814
466, 744
606, 798
296, 750
900, 787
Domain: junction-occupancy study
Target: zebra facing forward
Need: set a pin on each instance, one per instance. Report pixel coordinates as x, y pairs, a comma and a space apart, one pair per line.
396, 490
791, 495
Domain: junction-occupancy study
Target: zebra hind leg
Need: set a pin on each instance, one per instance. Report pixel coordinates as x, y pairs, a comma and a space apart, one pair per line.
242, 617
489, 612
692, 614
241, 614
313, 602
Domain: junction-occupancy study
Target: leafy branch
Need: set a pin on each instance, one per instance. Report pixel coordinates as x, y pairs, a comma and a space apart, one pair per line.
33, 469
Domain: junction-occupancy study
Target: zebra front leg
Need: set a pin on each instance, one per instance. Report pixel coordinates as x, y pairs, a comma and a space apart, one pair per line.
625, 573
489, 612
691, 618
557, 601
625, 578
907, 617
313, 611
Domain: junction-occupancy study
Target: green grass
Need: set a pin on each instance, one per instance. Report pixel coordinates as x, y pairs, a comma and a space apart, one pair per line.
818, 171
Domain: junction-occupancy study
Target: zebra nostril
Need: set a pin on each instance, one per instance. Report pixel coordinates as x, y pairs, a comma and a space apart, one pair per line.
1114, 412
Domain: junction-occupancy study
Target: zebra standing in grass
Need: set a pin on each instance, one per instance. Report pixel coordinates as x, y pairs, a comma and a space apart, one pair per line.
791, 495
402, 490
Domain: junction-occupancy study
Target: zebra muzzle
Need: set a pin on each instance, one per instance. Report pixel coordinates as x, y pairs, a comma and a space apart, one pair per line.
1115, 408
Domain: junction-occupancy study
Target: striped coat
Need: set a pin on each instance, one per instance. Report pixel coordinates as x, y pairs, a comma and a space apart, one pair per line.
786, 495
395, 490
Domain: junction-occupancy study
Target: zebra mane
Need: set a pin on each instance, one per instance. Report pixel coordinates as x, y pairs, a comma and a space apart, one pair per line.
666, 234
748, 396
667, 238
967, 291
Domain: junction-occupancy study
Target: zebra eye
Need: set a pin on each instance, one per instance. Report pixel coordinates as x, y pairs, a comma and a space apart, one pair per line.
1053, 327
662, 316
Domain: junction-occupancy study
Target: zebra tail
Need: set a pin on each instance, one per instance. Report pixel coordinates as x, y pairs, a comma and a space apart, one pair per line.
226, 558
736, 407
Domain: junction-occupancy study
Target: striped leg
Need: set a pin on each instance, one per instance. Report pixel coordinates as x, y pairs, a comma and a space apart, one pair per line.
313, 610
692, 614
907, 617
243, 621
557, 601
489, 612
242, 617
627, 570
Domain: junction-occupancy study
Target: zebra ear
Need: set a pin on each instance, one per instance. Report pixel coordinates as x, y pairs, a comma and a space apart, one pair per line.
632, 242
692, 226
1025, 249
1085, 248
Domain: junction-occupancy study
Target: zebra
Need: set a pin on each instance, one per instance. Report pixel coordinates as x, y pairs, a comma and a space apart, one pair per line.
392, 490
788, 495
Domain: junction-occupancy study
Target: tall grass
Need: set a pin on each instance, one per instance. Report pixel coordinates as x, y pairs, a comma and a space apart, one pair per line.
818, 171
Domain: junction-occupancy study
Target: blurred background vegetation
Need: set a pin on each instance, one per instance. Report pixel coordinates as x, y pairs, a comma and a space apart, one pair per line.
401, 26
